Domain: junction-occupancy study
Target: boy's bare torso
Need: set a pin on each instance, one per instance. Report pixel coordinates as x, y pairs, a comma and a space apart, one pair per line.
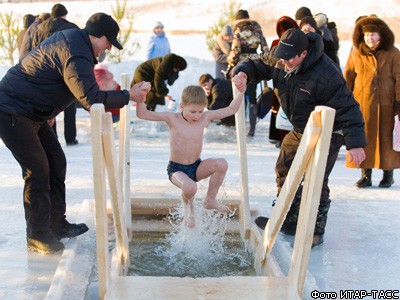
186, 139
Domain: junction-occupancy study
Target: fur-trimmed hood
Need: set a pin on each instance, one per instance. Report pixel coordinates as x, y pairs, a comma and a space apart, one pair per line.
246, 24
387, 36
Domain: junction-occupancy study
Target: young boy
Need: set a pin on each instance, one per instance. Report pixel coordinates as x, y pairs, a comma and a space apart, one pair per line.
185, 167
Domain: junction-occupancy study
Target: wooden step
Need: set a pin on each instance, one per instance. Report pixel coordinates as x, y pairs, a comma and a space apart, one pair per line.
162, 204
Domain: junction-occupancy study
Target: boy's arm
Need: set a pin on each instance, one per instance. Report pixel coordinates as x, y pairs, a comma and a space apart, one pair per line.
138, 94
239, 82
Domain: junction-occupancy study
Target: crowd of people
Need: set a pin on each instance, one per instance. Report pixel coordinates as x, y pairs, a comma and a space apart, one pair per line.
59, 66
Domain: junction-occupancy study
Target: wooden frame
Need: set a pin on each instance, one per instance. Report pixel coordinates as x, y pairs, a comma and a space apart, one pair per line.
310, 162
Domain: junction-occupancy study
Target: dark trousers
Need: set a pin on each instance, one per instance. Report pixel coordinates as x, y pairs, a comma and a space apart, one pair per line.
36, 148
289, 148
69, 123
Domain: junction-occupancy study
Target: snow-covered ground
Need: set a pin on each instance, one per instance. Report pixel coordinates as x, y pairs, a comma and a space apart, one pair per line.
362, 240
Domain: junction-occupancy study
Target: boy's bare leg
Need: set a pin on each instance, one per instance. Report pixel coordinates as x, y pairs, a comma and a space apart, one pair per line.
189, 189
188, 206
216, 170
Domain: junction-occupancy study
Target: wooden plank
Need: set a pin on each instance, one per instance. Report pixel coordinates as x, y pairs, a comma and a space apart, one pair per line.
240, 121
165, 204
310, 202
293, 179
124, 155
122, 244
99, 181
175, 288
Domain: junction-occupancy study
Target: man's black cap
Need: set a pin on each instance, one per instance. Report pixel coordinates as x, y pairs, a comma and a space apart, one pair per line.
101, 24
292, 43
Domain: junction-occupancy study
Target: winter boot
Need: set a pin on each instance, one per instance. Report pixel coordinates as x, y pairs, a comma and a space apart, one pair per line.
318, 239
261, 222
44, 244
68, 230
387, 179
365, 179
252, 119
289, 226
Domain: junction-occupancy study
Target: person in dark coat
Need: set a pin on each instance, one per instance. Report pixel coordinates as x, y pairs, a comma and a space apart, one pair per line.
159, 71
27, 21
221, 50
219, 94
305, 78
58, 22
43, 84
276, 135
308, 24
26, 44
247, 39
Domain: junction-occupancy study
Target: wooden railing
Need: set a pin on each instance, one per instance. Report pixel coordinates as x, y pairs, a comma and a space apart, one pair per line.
310, 162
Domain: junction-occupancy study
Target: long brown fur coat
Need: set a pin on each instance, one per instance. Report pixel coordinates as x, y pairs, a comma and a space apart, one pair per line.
374, 78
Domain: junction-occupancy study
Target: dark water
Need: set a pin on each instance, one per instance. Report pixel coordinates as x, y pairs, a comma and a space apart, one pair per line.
188, 253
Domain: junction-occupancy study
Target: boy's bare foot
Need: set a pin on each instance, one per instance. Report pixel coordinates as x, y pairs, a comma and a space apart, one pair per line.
217, 206
189, 221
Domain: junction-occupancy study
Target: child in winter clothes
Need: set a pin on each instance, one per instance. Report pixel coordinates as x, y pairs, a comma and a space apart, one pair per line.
106, 82
158, 44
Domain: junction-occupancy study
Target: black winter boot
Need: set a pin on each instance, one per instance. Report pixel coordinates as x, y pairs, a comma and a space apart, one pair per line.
68, 230
387, 179
252, 119
44, 244
365, 179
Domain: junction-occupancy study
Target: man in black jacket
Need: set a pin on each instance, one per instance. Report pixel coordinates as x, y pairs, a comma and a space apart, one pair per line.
219, 94
58, 22
44, 83
305, 77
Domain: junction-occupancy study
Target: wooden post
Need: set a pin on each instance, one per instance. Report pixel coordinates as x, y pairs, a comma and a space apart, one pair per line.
124, 156
310, 202
244, 213
293, 179
99, 182
122, 245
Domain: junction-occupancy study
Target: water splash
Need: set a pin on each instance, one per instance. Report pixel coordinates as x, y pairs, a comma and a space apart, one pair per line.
203, 251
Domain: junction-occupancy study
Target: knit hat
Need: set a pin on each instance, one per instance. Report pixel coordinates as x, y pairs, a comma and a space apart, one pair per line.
179, 62
310, 21
101, 24
303, 12
321, 19
58, 10
292, 42
242, 14
226, 30
158, 24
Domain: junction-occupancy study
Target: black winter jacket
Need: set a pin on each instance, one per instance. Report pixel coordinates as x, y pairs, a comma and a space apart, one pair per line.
50, 26
48, 79
317, 81
221, 94
159, 72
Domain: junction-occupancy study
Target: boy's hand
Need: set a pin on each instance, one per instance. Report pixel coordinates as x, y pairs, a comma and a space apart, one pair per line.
139, 91
239, 80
